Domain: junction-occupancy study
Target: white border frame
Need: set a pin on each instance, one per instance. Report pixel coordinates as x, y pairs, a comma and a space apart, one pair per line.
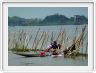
90, 6
94, 36
46, 72
0, 36
48, 0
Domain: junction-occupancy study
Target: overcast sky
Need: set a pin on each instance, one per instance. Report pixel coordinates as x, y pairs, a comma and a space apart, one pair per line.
42, 12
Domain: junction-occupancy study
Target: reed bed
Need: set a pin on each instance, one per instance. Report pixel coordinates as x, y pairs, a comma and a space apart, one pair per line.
21, 40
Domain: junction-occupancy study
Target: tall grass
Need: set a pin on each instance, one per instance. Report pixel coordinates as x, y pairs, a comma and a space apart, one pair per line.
22, 39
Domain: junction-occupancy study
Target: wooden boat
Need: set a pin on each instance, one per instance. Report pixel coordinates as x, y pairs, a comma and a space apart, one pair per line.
31, 54
36, 54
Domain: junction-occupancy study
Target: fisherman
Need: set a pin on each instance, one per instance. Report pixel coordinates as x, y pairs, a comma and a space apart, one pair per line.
69, 50
48, 48
72, 48
53, 48
59, 46
66, 51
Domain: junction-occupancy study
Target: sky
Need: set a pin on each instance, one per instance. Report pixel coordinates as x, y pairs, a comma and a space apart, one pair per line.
42, 12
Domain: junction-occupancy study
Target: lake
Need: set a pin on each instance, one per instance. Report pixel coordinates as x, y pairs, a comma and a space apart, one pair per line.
16, 60
71, 32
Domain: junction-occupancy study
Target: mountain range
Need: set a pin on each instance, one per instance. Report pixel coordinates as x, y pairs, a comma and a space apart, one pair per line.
56, 19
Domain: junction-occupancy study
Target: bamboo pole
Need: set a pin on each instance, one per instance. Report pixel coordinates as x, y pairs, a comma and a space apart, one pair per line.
43, 40
62, 41
52, 37
9, 40
46, 40
24, 40
77, 43
39, 40
28, 41
86, 51
65, 39
35, 38
58, 34
79, 39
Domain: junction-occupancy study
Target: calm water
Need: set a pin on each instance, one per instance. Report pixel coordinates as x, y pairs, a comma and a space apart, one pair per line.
16, 60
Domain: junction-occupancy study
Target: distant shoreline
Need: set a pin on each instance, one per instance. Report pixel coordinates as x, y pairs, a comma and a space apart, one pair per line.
55, 19
49, 25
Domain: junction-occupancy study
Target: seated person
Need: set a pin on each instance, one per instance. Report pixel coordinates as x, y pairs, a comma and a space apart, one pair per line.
53, 47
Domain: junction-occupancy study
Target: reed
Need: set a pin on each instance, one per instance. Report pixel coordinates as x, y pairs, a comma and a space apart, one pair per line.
39, 41
58, 35
52, 37
65, 40
22, 39
46, 41
43, 40
77, 41
63, 43
30, 37
9, 40
86, 51
35, 39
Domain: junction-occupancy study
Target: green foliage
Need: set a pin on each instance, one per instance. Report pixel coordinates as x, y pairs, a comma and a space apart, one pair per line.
24, 50
55, 19
20, 50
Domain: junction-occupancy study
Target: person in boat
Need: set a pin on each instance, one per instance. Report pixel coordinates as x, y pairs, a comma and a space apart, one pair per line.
53, 47
49, 47
70, 49
59, 46
66, 51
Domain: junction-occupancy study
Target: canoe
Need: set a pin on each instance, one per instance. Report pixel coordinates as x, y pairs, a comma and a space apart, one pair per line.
31, 55
36, 55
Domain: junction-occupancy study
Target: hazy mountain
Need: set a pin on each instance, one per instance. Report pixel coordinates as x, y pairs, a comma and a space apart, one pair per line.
55, 19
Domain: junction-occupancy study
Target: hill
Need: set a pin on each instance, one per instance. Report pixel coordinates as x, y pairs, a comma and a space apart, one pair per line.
55, 19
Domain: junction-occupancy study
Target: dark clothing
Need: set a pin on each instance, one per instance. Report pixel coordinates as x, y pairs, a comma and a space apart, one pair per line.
66, 51
59, 46
54, 53
72, 47
54, 46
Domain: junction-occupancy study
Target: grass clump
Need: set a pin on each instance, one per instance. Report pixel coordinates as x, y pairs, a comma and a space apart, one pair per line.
19, 50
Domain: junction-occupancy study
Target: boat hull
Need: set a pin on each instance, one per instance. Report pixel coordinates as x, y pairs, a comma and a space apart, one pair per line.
31, 55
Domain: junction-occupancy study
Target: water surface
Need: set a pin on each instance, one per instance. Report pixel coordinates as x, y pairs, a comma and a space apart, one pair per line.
16, 60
